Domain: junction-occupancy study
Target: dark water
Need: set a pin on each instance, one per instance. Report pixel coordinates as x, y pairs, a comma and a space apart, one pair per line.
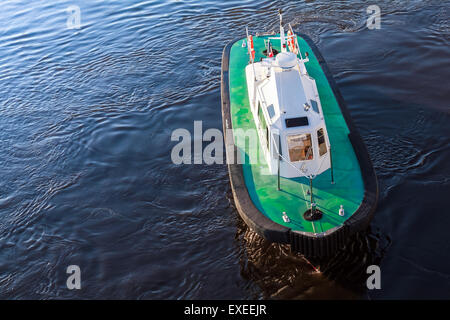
86, 117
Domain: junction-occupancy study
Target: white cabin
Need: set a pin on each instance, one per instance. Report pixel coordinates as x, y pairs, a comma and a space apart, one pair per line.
286, 108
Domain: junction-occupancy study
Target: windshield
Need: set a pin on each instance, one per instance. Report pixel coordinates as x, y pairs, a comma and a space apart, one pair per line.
299, 147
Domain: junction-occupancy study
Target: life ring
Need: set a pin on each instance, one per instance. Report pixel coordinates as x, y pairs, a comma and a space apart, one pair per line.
252, 49
291, 42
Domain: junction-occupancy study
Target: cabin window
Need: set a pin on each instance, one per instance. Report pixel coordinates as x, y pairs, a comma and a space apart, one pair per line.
263, 125
300, 147
271, 111
321, 141
314, 105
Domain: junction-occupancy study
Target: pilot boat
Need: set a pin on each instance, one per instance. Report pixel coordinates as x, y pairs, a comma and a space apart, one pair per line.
299, 171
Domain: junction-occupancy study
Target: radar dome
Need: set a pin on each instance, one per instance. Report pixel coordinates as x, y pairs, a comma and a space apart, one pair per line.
286, 60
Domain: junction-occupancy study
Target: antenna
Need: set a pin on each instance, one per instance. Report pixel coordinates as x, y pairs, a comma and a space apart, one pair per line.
282, 39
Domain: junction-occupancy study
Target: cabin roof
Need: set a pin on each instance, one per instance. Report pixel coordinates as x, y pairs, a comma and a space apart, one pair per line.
284, 90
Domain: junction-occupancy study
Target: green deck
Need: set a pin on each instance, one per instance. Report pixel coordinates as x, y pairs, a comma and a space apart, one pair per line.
348, 189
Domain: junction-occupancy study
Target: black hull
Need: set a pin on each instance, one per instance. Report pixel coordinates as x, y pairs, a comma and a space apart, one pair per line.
320, 245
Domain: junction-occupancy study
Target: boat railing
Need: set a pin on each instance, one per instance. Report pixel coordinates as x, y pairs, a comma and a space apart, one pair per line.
299, 52
302, 172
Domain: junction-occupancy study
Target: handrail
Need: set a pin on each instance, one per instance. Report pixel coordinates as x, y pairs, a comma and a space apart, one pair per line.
286, 160
290, 163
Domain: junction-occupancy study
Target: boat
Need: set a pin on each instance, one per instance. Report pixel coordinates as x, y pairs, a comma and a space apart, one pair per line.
299, 171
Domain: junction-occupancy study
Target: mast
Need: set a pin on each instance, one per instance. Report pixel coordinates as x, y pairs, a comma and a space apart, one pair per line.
282, 39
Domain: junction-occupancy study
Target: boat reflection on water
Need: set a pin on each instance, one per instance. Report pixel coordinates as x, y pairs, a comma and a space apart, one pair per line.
282, 274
